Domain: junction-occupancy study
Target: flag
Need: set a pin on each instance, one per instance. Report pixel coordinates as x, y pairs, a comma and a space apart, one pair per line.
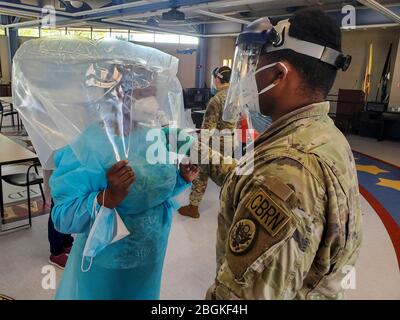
367, 78
383, 84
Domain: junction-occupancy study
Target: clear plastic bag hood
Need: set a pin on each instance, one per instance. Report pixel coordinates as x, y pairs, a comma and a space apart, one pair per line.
64, 86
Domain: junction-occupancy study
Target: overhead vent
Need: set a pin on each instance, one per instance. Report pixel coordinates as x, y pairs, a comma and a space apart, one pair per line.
173, 15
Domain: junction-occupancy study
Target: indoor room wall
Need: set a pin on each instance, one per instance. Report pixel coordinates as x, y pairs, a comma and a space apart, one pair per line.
395, 90
356, 43
5, 67
187, 62
218, 49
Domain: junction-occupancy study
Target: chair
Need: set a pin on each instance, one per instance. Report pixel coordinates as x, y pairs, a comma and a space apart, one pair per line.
350, 104
10, 112
27, 180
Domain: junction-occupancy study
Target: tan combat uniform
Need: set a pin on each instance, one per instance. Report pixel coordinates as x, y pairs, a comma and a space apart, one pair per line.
212, 120
291, 229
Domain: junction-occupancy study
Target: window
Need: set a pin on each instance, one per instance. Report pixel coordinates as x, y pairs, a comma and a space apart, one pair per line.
28, 32
81, 32
188, 40
2, 31
227, 63
98, 34
120, 34
47, 32
166, 38
142, 36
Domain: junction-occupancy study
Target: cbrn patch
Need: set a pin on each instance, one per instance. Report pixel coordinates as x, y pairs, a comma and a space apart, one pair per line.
268, 213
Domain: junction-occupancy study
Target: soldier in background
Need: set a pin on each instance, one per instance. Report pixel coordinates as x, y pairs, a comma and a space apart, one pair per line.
291, 229
212, 121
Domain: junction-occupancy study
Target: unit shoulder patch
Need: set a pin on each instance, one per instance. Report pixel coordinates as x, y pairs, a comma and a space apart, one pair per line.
242, 235
267, 212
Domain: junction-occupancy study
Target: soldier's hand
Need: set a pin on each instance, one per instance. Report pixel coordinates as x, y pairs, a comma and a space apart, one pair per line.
189, 172
120, 177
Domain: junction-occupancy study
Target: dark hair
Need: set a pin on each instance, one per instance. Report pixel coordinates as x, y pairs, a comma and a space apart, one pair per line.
313, 26
223, 74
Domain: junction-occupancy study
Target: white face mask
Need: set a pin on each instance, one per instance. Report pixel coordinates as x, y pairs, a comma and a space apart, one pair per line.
249, 90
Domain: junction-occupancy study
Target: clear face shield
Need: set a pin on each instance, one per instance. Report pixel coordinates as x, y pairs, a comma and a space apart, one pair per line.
213, 87
261, 37
241, 95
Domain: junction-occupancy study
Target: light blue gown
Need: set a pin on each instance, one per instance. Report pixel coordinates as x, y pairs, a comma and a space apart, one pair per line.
132, 267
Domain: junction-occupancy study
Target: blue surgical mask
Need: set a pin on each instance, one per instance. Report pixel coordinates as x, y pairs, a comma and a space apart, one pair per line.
259, 121
106, 229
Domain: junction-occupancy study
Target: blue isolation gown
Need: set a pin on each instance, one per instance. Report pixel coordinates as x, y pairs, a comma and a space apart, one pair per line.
130, 268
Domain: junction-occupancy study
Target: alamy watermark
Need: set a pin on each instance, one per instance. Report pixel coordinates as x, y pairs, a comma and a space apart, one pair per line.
349, 280
49, 279
349, 19
210, 147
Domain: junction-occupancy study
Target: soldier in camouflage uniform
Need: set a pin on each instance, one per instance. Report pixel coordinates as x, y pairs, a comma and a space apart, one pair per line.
292, 228
212, 121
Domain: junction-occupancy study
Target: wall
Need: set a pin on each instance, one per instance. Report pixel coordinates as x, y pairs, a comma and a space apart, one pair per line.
5, 67
218, 49
395, 90
187, 62
356, 43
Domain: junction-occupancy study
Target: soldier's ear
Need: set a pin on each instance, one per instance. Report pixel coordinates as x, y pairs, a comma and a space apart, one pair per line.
282, 72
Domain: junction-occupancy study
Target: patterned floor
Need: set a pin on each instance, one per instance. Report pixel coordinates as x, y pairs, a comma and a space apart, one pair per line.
380, 185
19, 210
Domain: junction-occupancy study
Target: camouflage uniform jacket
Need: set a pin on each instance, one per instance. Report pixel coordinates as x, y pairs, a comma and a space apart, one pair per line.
213, 115
292, 228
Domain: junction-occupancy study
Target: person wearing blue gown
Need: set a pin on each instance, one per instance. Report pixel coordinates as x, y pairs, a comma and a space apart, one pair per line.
130, 268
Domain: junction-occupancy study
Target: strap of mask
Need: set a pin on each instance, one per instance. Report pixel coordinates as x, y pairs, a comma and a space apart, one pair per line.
92, 219
89, 266
272, 85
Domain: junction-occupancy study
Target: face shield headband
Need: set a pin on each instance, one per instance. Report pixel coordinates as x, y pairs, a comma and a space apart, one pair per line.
327, 55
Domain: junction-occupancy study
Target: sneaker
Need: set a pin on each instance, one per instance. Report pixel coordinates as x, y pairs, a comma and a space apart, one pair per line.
67, 250
190, 211
59, 261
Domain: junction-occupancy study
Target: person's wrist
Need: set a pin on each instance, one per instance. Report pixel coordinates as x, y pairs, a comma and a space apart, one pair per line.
110, 200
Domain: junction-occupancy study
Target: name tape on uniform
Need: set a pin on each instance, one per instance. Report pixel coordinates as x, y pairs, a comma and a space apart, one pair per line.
269, 214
